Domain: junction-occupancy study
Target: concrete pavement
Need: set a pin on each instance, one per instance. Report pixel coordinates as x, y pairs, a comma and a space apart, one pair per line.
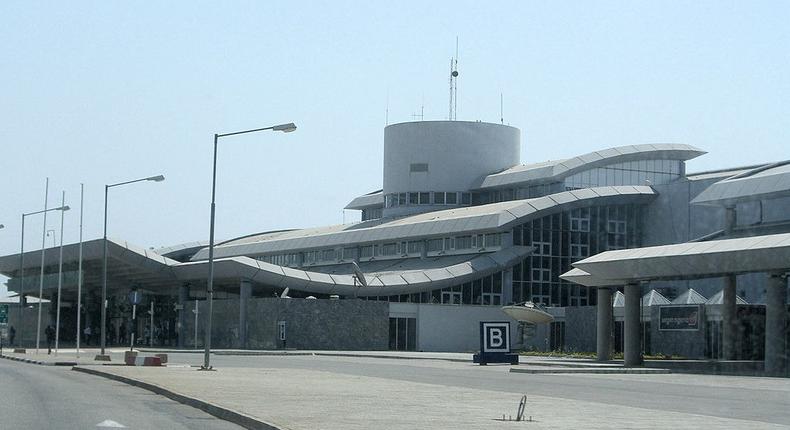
305, 392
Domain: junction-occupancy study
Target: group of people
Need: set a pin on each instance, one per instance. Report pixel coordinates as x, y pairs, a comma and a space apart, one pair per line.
90, 335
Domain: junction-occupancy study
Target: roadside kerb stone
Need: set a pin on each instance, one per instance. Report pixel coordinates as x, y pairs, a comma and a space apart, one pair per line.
583, 370
220, 412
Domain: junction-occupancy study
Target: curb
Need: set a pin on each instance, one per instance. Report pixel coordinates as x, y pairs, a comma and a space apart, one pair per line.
576, 370
220, 412
40, 363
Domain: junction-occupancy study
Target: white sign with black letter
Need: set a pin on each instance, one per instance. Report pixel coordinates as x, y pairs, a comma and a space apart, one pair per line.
496, 337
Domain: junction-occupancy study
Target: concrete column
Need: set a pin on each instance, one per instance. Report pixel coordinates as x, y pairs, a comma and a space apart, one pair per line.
507, 286
603, 325
730, 219
729, 324
632, 342
245, 292
183, 298
775, 321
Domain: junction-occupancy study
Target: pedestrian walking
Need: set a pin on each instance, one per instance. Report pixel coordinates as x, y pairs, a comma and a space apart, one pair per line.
87, 332
50, 333
122, 333
11, 335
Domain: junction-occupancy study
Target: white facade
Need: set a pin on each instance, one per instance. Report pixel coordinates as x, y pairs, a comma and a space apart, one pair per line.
442, 157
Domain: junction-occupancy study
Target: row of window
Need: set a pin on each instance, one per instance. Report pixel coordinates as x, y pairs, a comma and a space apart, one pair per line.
641, 172
487, 291
451, 198
437, 246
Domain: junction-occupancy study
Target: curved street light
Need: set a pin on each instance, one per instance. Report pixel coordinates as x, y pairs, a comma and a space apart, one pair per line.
285, 128
102, 356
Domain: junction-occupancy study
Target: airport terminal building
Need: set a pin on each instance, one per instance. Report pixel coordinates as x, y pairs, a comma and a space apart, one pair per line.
458, 228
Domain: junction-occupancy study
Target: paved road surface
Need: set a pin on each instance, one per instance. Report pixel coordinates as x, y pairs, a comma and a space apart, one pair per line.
750, 398
45, 397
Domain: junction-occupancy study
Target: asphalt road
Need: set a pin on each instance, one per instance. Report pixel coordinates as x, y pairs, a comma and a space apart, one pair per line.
721, 396
46, 397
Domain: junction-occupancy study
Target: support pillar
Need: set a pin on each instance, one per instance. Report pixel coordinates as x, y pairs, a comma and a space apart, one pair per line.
632, 350
507, 286
729, 325
775, 322
603, 325
245, 292
183, 298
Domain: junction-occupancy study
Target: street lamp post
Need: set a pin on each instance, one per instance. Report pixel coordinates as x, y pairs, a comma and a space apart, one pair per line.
285, 128
60, 276
22, 260
103, 334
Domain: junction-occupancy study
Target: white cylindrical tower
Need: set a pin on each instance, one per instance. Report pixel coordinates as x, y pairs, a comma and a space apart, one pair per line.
431, 165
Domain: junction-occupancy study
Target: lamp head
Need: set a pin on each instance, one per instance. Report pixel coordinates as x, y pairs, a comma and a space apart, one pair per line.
285, 128
158, 178
2, 226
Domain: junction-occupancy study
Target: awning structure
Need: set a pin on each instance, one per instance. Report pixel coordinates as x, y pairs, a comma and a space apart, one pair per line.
134, 267
383, 283
709, 259
766, 182
466, 220
127, 265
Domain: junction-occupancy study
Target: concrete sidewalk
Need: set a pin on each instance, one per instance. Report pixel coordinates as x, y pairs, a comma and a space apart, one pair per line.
309, 399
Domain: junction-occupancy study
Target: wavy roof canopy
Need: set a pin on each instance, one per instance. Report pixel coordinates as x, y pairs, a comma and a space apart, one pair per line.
766, 182
373, 199
379, 284
709, 259
553, 171
465, 220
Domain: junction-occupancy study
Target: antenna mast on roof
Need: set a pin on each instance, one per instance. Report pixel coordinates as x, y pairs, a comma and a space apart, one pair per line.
453, 83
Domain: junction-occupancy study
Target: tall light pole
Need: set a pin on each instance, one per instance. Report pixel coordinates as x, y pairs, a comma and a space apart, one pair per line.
22, 259
41, 278
79, 274
60, 275
103, 334
285, 128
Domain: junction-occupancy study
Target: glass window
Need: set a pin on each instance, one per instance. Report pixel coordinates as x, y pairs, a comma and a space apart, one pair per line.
349, 253
402, 199
366, 251
451, 198
414, 247
389, 249
542, 248
435, 245
413, 198
493, 240
466, 198
438, 198
425, 198
463, 242
448, 243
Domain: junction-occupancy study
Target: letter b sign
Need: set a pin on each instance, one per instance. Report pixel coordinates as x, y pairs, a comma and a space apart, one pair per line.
495, 336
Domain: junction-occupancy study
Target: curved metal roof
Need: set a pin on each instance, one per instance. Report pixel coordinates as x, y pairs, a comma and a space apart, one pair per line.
379, 284
691, 260
372, 199
553, 171
465, 220
766, 182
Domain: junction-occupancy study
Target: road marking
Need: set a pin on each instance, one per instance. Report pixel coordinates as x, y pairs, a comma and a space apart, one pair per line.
110, 424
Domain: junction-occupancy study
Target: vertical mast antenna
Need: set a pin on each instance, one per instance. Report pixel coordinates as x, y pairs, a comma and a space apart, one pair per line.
454, 84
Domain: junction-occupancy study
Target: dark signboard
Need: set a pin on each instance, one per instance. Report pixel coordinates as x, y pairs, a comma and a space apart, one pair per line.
495, 344
679, 318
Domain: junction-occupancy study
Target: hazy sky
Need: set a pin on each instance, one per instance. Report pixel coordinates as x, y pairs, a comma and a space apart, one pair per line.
101, 92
